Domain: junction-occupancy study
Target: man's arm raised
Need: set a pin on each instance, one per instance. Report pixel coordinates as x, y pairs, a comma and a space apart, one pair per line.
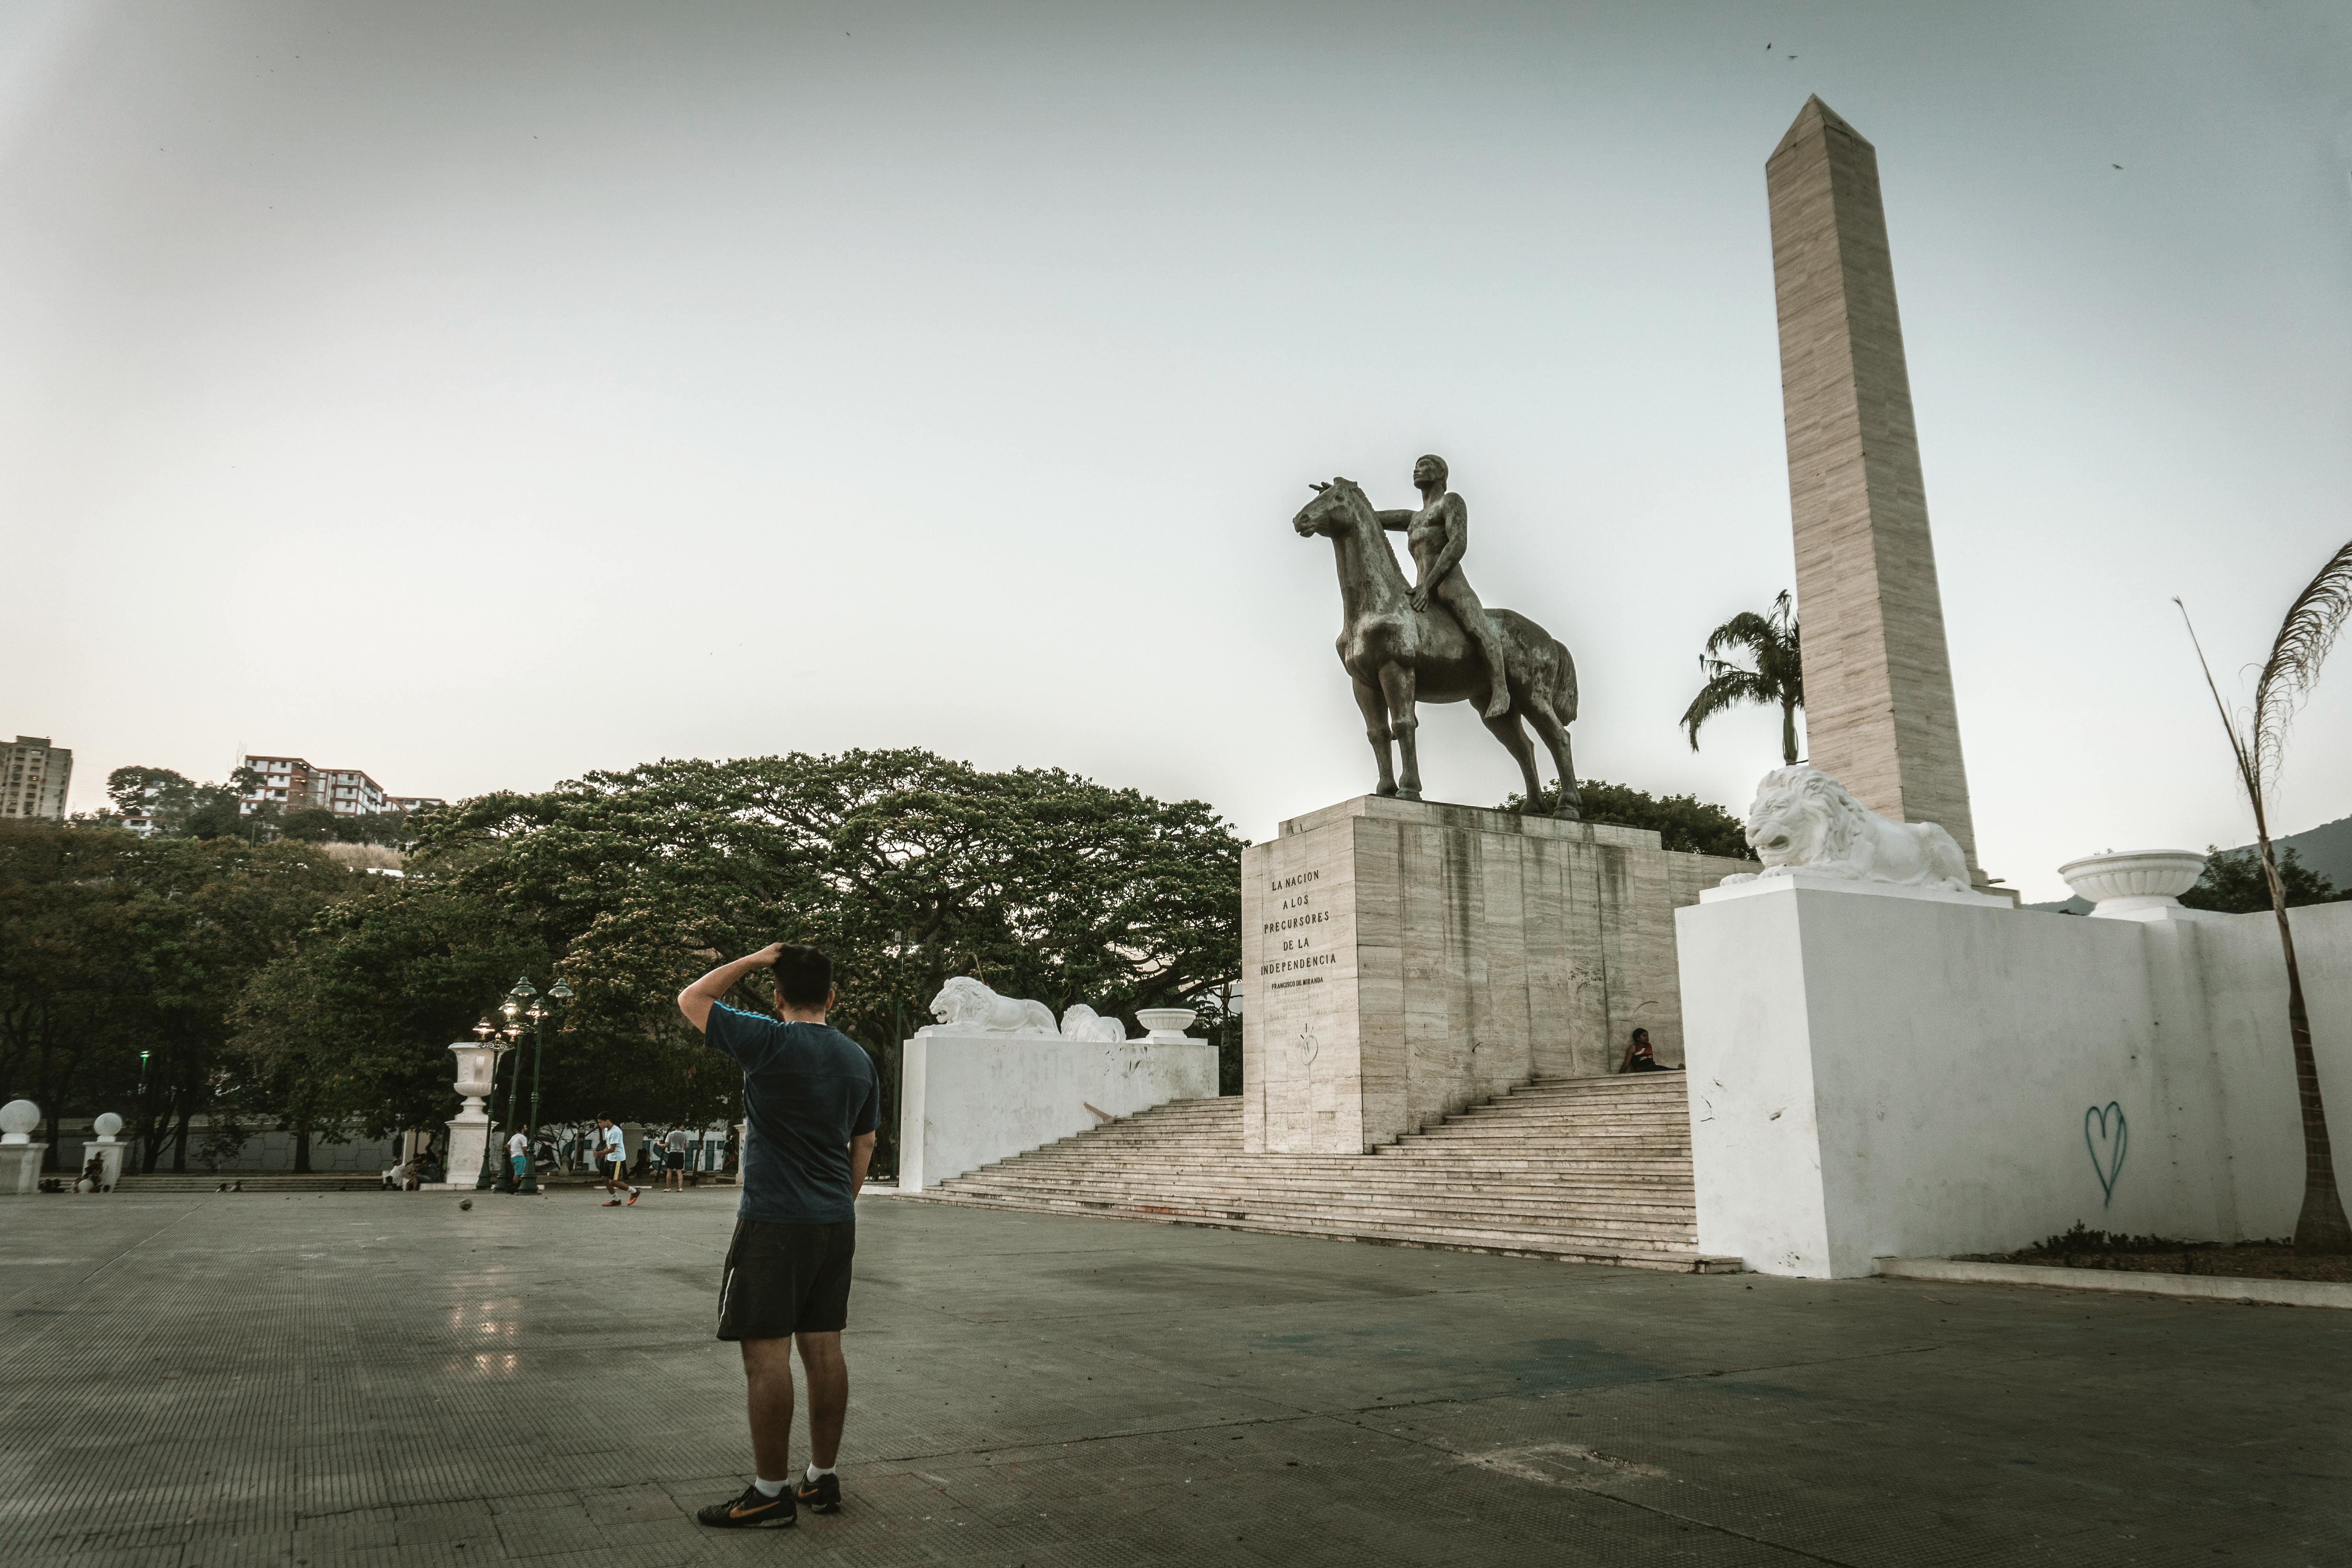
696, 999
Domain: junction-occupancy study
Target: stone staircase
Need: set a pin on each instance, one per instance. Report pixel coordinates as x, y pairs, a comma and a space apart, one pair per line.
1584, 1170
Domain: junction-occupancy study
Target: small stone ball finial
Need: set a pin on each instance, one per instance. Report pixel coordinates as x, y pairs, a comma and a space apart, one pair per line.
18, 1120
107, 1125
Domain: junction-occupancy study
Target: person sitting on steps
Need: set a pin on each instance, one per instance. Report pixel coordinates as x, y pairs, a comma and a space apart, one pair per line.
1639, 1058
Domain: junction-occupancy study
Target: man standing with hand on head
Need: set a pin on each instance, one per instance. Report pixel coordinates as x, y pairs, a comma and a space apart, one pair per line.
812, 1099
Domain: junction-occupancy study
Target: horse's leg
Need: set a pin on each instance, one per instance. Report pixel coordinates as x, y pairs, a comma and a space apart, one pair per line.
1376, 729
1555, 739
1397, 684
1508, 730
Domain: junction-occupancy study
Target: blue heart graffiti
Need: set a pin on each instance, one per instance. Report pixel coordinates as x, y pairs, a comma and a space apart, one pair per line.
2104, 1124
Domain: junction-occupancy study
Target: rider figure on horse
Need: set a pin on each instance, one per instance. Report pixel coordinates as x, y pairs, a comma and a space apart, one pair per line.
1437, 535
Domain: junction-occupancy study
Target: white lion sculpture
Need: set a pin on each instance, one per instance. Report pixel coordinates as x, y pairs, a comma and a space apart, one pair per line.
1083, 1023
1803, 820
965, 1007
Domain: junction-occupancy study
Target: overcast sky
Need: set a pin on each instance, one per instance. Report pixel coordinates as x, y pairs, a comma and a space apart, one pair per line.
480, 396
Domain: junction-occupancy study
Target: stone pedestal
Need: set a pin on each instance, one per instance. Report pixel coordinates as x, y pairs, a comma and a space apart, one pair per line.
966, 1101
1901, 1072
469, 1130
113, 1152
20, 1168
1405, 960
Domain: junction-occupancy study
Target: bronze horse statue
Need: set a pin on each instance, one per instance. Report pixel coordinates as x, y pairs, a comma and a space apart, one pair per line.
1398, 656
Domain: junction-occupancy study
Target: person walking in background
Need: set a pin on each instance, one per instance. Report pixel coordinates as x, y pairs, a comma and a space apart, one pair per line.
519, 1157
616, 1162
674, 1160
813, 1099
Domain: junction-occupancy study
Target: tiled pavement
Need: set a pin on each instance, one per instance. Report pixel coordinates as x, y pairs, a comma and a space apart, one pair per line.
381, 1378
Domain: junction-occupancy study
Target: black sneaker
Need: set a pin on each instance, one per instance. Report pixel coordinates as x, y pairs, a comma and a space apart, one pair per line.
821, 1495
750, 1511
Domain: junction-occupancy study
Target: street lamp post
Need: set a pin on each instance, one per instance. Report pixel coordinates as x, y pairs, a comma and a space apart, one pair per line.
523, 1003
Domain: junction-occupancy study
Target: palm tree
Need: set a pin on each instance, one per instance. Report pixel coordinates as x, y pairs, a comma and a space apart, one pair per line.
2258, 745
1778, 680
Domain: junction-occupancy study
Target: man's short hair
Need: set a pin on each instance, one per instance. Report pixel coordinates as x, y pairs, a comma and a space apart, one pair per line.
804, 976
1444, 473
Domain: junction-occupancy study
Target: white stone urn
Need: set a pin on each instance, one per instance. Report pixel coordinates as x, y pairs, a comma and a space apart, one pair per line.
18, 1120
476, 1067
1167, 1025
2134, 884
469, 1130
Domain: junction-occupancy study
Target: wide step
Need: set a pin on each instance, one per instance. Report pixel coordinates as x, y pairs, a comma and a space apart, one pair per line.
1586, 1169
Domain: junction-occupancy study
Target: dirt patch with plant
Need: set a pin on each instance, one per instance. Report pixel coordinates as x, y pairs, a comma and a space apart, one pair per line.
2081, 1248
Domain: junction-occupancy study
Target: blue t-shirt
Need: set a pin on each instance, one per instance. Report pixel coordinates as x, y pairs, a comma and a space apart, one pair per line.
808, 1090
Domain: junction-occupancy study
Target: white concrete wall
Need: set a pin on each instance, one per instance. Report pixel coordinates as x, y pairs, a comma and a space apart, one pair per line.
965, 1100
1885, 1076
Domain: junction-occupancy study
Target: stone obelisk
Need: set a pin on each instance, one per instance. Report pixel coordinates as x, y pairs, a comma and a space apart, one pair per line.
1879, 715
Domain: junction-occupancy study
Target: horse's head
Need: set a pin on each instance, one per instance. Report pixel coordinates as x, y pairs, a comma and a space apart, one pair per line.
1332, 504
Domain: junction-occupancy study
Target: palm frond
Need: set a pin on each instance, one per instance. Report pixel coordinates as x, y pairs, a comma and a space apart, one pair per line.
2313, 623
1727, 687
2246, 774
1747, 630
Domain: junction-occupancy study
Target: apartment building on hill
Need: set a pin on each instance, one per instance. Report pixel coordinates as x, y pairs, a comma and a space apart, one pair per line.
293, 784
33, 778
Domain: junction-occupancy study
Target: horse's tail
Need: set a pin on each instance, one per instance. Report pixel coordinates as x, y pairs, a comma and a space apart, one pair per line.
1563, 686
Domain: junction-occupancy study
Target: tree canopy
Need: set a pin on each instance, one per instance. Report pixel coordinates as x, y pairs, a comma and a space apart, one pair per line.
630, 884
1682, 822
2233, 883
112, 946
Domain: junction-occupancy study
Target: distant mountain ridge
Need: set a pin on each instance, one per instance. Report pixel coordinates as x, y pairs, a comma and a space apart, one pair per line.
2326, 849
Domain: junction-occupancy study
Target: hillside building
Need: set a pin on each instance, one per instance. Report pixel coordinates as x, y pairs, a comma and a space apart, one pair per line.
293, 784
34, 777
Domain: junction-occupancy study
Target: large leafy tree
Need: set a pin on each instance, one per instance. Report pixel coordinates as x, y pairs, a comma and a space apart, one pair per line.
908, 867
351, 1032
168, 795
1774, 678
122, 960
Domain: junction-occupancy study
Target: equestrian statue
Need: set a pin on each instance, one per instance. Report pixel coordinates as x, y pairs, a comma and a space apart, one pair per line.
1399, 651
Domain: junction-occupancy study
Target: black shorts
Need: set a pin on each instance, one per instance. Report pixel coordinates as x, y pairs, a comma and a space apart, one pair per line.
783, 1279
674, 1163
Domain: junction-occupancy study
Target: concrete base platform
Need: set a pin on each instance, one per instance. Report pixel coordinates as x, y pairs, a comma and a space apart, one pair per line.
2196, 1287
370, 1378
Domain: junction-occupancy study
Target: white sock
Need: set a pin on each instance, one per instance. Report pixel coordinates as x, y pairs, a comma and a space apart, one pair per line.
813, 1472
769, 1489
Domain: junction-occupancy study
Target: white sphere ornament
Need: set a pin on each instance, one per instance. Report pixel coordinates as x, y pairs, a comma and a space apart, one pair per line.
18, 1120
1167, 1024
2134, 883
107, 1125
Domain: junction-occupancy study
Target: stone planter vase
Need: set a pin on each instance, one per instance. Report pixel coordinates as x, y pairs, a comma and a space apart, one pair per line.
1167, 1024
2134, 884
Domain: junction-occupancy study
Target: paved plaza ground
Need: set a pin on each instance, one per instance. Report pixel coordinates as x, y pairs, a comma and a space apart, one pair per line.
382, 1378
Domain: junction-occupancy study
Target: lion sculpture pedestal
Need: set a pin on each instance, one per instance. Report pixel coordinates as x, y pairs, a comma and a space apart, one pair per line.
997, 1076
1884, 1066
